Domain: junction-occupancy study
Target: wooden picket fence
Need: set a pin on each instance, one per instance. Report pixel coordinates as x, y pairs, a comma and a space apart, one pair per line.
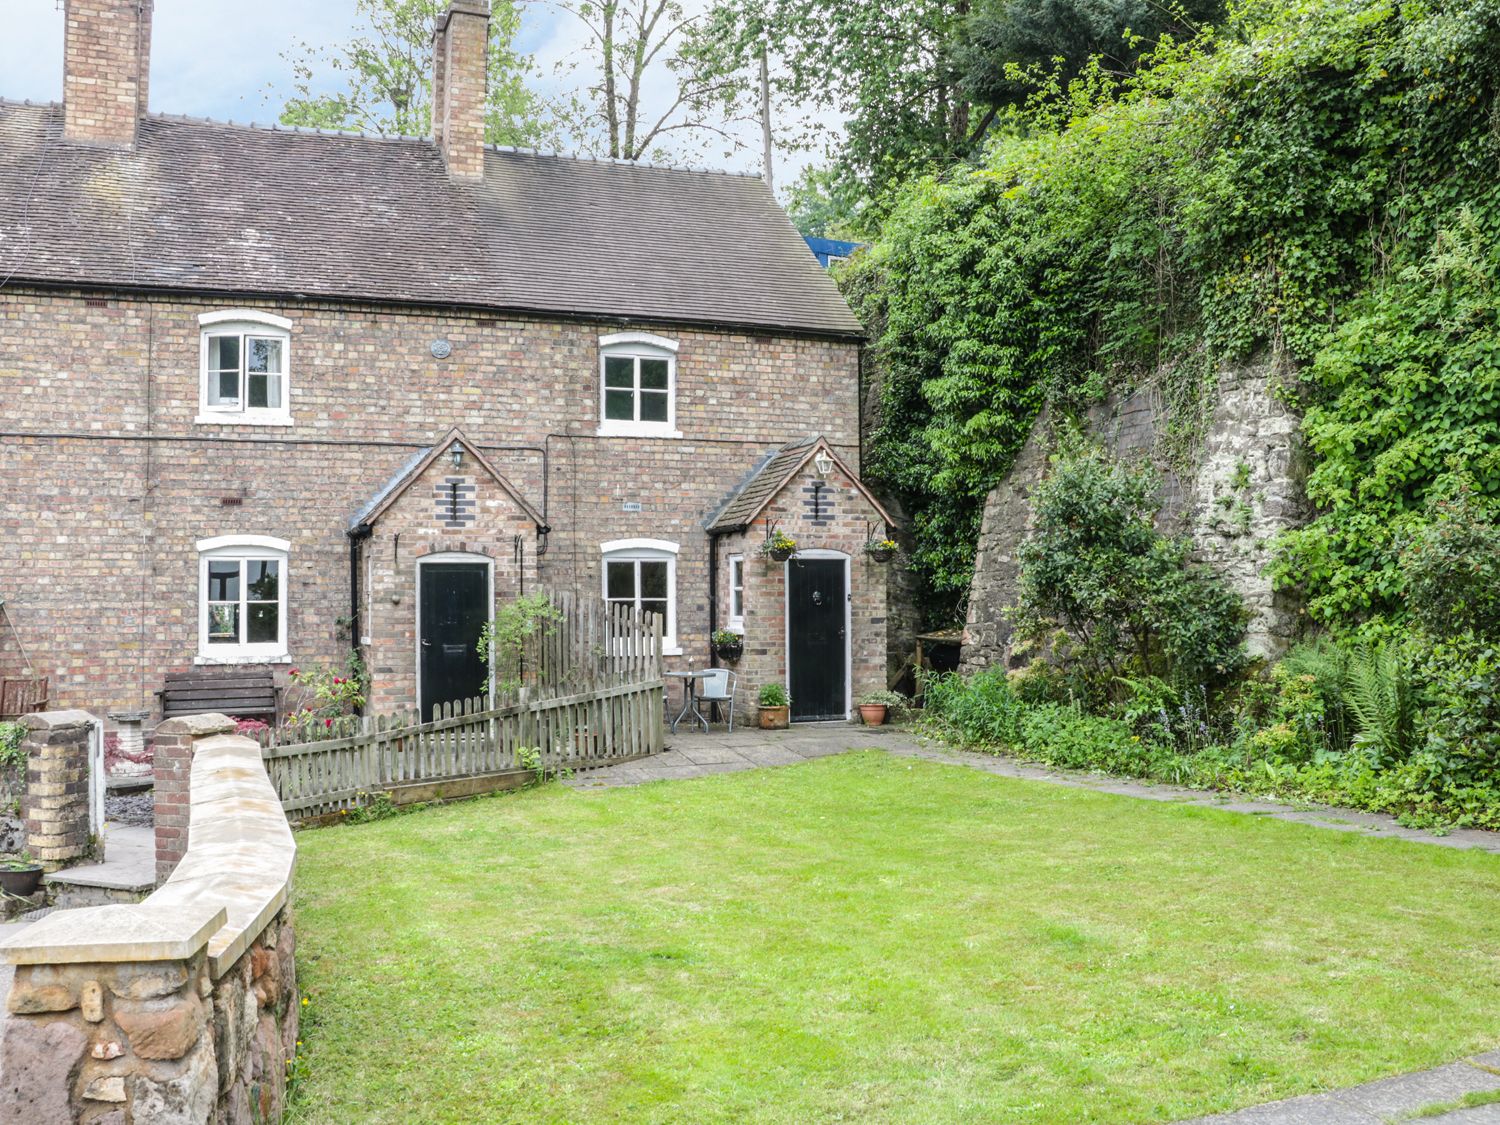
588, 691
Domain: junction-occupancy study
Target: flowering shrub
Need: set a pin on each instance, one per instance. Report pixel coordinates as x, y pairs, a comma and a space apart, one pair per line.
329, 697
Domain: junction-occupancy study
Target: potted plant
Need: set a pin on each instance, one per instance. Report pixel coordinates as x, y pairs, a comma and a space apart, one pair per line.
877, 705
20, 876
775, 707
882, 550
728, 644
779, 547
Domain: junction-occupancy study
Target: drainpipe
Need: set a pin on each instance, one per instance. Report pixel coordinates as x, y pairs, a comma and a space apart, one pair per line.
713, 596
356, 536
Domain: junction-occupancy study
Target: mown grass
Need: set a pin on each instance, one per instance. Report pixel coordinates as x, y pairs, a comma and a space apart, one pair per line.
870, 939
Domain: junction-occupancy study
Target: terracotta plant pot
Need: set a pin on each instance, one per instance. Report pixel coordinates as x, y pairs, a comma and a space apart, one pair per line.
21, 881
774, 718
873, 714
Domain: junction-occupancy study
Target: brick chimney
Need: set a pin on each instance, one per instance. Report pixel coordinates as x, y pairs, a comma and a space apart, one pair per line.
106, 65
460, 53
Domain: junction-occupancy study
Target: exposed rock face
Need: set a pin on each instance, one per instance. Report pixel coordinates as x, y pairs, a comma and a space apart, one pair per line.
1244, 488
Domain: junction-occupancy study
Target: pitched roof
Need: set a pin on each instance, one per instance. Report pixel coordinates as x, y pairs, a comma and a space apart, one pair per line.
770, 476
417, 464
209, 207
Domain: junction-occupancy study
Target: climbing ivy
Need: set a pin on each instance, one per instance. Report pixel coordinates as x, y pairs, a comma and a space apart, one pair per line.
1313, 180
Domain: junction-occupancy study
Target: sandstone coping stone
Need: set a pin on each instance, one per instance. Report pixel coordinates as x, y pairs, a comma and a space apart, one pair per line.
57, 720
197, 726
230, 884
144, 931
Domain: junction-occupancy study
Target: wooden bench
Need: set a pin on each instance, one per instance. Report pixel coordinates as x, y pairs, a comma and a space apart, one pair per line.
241, 693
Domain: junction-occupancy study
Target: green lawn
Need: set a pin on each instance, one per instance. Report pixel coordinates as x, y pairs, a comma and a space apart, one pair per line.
866, 939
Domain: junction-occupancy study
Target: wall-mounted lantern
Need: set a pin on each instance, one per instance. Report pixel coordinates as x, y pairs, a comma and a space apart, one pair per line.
823, 462
457, 455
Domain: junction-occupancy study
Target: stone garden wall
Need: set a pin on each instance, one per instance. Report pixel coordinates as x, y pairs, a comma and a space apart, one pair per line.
181, 1009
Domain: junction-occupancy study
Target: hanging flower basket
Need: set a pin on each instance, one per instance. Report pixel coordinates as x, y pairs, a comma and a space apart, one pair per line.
881, 550
779, 547
729, 645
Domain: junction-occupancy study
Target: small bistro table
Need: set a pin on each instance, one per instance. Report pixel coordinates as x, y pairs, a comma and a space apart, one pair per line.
689, 707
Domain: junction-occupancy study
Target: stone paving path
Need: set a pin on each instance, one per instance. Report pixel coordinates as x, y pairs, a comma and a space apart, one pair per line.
1384, 1102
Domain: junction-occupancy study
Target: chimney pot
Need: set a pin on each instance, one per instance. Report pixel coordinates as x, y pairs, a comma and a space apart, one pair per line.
106, 70
460, 56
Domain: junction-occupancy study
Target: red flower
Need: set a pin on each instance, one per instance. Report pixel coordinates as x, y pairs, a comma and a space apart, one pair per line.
328, 722
296, 671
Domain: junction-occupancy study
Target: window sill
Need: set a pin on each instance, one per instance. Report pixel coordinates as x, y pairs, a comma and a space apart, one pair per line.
671, 650
228, 419
237, 658
627, 429
736, 625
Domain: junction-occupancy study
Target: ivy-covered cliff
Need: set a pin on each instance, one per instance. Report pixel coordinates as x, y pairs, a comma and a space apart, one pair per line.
1314, 182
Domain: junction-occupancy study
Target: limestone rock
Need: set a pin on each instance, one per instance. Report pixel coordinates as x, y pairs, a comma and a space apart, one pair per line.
110, 1088
106, 1049
148, 982
187, 1099
91, 1001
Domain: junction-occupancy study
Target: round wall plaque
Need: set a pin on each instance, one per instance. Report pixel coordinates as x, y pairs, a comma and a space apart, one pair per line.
440, 349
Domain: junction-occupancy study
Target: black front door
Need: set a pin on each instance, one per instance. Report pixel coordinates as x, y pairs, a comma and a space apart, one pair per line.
455, 607
817, 646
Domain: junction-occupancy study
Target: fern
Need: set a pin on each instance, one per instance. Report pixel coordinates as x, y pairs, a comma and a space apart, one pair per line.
1380, 694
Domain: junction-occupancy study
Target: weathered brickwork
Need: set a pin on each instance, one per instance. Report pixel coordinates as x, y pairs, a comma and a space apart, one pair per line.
108, 495
848, 521
460, 55
107, 55
55, 806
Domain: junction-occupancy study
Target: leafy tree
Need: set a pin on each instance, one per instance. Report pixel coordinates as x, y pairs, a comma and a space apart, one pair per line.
1005, 40
631, 44
386, 77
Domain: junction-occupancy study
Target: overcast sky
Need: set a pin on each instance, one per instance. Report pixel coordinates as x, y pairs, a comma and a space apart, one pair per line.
219, 58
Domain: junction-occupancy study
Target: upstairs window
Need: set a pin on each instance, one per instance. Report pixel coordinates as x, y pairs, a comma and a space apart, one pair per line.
638, 385
242, 598
245, 358
642, 574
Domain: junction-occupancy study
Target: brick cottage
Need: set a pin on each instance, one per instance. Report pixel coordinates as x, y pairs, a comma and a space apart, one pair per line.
273, 394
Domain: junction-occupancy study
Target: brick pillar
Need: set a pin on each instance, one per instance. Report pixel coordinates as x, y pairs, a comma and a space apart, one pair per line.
56, 804
173, 767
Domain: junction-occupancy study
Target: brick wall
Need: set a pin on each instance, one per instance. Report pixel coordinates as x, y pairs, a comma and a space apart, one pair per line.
97, 530
463, 57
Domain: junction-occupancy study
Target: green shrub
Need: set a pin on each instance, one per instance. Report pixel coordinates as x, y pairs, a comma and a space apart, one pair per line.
1125, 597
12, 757
980, 710
1452, 568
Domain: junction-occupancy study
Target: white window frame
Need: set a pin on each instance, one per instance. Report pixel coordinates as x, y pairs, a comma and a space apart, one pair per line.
244, 323
639, 346
736, 620
646, 550
243, 549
